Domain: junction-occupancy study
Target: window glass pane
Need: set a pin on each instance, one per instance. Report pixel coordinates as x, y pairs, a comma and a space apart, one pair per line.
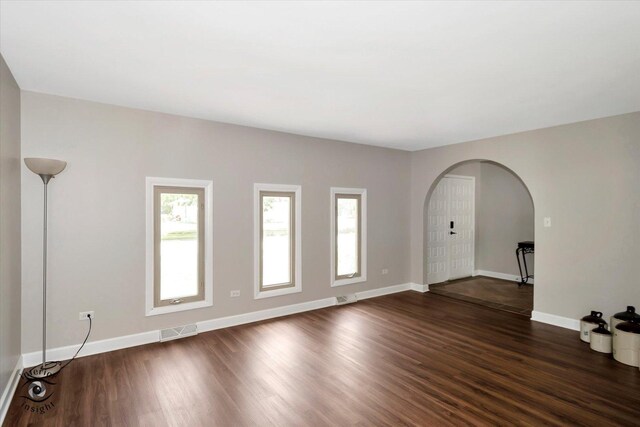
347, 236
178, 245
276, 240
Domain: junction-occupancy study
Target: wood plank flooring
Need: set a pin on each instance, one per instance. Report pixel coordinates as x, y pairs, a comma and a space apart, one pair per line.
403, 359
495, 293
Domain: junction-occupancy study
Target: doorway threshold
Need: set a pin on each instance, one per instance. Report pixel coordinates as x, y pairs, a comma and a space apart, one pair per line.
498, 294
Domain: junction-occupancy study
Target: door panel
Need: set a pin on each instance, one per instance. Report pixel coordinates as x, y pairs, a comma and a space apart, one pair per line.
461, 212
437, 234
450, 256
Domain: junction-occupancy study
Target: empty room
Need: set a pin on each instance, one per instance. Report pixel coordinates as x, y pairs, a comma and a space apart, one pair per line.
278, 213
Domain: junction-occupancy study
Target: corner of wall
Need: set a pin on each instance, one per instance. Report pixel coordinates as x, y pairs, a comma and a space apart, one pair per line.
10, 237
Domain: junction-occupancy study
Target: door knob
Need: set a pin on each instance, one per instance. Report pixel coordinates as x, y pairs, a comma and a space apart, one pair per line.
452, 232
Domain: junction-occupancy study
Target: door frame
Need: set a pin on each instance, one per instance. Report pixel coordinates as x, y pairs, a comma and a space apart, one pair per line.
473, 235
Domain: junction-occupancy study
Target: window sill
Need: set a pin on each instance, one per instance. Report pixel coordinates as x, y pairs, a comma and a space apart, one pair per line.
277, 292
343, 282
178, 307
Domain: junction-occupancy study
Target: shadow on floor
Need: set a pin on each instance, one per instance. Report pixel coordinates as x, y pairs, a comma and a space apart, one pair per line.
495, 293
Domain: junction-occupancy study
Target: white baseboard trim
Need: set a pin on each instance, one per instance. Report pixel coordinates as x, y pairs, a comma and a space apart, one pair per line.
503, 276
372, 293
10, 389
92, 347
117, 343
256, 316
419, 288
552, 319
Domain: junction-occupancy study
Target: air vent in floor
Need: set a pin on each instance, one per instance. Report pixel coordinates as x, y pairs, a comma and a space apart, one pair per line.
178, 332
346, 299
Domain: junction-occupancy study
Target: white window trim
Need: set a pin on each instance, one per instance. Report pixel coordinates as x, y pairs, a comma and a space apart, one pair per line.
257, 188
362, 192
152, 182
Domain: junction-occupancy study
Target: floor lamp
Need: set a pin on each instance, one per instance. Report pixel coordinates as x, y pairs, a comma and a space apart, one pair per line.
46, 169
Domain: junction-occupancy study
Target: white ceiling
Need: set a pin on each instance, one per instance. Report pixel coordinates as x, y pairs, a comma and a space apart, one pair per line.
403, 75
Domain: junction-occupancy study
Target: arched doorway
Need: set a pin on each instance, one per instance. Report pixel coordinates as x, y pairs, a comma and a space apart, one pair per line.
475, 215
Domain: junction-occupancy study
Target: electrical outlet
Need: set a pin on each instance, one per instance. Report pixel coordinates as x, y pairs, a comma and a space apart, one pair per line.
84, 315
235, 294
547, 221
385, 271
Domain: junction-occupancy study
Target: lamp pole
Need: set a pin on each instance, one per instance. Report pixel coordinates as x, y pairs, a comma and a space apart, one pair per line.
45, 180
45, 169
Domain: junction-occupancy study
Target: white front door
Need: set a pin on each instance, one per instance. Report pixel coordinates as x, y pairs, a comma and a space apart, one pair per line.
438, 234
450, 229
461, 217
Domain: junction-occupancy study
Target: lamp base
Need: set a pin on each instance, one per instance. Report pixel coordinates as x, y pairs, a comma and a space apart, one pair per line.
48, 369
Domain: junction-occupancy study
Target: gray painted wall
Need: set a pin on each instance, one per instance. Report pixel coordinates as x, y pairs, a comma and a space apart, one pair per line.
97, 211
504, 216
585, 177
10, 268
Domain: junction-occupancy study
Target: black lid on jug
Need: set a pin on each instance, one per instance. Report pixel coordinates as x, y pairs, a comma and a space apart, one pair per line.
594, 317
627, 315
601, 329
632, 327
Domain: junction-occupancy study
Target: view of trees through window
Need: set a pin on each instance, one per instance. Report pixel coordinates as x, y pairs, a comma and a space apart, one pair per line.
276, 240
347, 236
179, 245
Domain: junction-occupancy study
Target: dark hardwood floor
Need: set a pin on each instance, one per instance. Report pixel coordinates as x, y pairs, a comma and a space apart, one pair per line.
495, 293
403, 359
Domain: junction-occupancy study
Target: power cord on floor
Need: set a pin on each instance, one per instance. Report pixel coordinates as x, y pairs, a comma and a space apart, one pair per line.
83, 343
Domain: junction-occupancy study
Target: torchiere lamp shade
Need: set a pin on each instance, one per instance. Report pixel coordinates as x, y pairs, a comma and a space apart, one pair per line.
49, 167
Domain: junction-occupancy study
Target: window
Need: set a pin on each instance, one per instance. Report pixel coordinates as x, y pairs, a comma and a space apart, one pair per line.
179, 245
277, 240
348, 236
